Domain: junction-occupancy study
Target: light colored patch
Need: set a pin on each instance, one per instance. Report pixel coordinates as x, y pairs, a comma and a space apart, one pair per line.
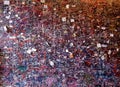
6, 2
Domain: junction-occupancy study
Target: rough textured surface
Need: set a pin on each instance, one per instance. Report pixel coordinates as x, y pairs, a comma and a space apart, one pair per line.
59, 43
